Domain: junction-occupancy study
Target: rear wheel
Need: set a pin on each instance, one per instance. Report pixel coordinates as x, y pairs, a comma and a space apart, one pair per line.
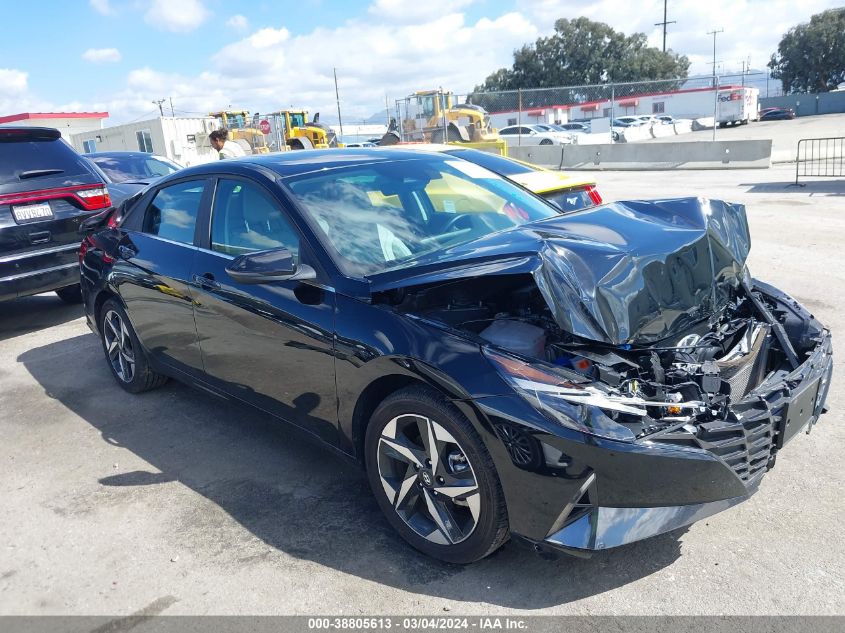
123, 351
70, 294
433, 477
546, 141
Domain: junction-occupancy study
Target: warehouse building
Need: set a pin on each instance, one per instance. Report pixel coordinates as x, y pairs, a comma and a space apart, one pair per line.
68, 123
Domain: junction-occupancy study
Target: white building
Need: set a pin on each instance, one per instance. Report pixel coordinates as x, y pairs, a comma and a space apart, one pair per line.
546, 114
68, 123
181, 139
689, 103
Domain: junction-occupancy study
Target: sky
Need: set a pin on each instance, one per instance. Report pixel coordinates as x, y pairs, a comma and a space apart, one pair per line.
263, 55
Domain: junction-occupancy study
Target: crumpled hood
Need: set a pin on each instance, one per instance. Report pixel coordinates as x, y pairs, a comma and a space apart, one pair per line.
626, 272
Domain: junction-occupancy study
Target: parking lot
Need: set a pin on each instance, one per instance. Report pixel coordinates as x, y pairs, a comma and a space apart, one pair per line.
784, 134
172, 502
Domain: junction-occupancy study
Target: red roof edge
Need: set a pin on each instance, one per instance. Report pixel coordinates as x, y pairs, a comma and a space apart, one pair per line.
24, 116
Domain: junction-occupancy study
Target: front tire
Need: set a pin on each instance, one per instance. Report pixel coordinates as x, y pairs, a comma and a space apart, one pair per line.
433, 477
123, 351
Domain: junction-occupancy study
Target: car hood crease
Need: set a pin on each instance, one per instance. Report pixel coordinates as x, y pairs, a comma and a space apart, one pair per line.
633, 272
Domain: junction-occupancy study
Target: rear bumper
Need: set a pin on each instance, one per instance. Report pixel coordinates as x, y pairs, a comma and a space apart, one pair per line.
32, 272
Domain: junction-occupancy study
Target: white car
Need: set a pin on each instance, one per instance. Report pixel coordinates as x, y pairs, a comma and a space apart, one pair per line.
533, 135
630, 121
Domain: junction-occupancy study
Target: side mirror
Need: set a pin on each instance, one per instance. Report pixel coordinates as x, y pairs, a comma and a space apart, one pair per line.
265, 266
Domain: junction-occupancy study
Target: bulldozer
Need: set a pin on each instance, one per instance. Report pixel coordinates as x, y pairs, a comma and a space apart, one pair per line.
300, 133
433, 117
242, 131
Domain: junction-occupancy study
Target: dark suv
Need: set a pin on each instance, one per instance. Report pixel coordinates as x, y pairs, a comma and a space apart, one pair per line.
46, 191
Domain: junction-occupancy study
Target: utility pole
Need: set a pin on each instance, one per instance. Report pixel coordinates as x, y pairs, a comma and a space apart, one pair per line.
714, 33
173, 114
158, 102
337, 98
664, 24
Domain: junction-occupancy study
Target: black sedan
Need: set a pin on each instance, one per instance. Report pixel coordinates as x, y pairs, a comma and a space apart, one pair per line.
777, 114
129, 172
581, 381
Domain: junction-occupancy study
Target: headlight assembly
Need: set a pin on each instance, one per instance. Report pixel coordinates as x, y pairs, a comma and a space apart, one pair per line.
577, 405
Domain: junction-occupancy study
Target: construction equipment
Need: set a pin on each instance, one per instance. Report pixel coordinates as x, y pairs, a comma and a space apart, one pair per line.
431, 116
300, 133
242, 131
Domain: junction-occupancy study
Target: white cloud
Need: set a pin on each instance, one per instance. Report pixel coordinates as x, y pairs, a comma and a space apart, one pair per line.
238, 23
13, 82
180, 16
15, 96
409, 12
102, 7
101, 55
390, 49
371, 58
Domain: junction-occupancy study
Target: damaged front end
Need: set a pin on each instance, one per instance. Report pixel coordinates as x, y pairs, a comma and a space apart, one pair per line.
639, 323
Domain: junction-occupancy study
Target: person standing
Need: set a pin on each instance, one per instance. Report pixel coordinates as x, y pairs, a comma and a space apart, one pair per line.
219, 140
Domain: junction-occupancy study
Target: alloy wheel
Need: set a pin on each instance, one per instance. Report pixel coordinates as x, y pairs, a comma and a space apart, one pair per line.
119, 346
428, 479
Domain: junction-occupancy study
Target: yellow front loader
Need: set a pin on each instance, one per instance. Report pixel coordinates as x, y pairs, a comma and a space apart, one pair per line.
237, 122
300, 133
432, 116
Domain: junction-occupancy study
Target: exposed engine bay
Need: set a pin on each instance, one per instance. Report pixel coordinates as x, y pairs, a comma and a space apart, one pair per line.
687, 379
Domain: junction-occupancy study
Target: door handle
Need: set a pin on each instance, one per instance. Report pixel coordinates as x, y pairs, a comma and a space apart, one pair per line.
126, 252
206, 281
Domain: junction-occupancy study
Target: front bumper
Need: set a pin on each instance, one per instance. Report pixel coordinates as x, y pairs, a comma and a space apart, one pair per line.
603, 527
768, 417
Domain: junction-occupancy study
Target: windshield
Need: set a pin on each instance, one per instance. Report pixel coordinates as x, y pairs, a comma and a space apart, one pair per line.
297, 119
387, 215
133, 167
494, 162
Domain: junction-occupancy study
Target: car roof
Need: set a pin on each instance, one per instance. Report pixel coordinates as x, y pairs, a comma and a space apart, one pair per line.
297, 162
121, 154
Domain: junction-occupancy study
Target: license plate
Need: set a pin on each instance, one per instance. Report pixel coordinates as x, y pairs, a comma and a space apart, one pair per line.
32, 212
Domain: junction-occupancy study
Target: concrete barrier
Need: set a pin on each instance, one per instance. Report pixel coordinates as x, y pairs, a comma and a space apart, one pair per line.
754, 154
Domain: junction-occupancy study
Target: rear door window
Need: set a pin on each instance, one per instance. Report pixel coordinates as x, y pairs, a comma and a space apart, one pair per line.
173, 212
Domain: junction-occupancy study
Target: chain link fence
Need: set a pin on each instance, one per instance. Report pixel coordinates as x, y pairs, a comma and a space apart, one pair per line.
600, 109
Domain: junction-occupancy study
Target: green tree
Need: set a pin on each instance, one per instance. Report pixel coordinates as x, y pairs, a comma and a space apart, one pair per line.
811, 56
582, 52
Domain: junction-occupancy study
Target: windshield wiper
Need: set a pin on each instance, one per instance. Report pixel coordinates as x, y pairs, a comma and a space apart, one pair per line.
35, 173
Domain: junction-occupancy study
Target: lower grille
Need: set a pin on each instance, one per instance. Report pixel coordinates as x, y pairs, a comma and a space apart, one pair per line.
745, 446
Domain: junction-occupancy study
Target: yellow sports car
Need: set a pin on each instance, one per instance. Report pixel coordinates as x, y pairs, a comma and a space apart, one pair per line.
562, 190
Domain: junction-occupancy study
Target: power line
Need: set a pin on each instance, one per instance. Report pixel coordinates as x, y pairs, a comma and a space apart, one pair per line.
664, 24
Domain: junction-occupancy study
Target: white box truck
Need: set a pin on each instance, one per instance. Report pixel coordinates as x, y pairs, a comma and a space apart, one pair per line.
737, 105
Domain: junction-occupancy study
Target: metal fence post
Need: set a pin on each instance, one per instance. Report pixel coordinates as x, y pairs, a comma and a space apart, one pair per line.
519, 116
612, 104
715, 104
